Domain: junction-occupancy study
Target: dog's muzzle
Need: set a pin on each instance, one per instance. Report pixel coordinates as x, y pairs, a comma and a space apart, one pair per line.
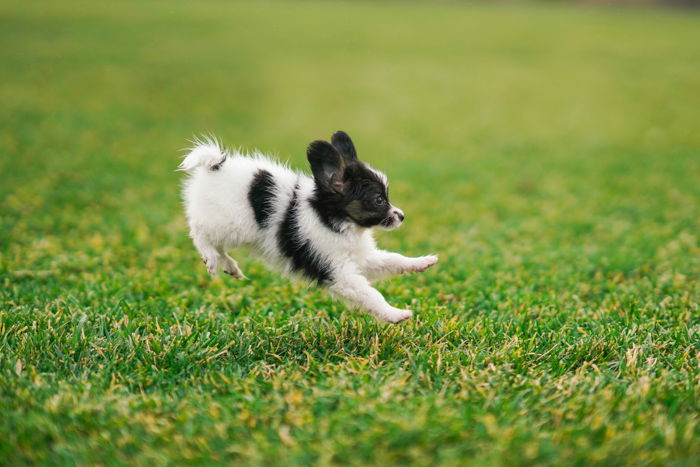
394, 219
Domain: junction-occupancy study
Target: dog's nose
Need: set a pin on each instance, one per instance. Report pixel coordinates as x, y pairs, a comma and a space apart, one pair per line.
401, 215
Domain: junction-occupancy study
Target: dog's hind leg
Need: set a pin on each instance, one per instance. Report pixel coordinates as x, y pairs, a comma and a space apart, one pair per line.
210, 254
230, 266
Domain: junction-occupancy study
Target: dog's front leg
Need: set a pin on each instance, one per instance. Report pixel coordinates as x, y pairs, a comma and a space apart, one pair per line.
380, 264
356, 289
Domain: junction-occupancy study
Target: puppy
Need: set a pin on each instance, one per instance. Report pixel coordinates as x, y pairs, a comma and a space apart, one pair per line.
319, 228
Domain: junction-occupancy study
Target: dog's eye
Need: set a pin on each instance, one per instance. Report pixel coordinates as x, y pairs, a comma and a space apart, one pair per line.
379, 200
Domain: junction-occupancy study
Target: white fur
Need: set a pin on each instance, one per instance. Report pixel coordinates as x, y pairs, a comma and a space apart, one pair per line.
220, 217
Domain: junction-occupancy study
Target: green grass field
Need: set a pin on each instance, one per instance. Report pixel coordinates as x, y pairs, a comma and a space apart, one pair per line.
549, 154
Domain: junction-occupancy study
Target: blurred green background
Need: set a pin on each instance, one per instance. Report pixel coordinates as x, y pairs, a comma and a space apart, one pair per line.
549, 153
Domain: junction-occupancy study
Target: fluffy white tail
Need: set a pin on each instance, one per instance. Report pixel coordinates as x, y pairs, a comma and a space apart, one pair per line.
206, 152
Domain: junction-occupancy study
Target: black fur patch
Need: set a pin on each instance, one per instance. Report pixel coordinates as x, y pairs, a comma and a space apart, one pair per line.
299, 250
261, 197
329, 216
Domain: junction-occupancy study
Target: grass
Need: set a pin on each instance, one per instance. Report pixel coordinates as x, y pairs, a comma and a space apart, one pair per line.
550, 154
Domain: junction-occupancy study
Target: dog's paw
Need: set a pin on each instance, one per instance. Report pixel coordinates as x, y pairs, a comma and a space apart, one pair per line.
397, 315
230, 267
211, 264
423, 263
236, 273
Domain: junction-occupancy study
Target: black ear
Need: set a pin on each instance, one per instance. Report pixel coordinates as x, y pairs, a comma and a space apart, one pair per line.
327, 165
343, 144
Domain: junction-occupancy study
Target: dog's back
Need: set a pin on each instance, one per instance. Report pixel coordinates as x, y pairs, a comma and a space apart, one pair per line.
219, 203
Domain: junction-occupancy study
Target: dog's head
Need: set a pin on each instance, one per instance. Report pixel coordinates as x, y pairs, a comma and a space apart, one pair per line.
349, 189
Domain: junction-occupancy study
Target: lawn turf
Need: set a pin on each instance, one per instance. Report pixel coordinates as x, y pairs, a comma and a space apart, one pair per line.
549, 154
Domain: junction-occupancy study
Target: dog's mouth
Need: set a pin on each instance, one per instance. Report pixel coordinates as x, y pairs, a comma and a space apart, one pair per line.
390, 223
394, 219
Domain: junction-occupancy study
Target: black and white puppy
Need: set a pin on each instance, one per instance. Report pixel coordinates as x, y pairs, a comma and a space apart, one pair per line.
319, 228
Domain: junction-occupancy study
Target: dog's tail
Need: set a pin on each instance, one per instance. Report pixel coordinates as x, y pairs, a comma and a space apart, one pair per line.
205, 152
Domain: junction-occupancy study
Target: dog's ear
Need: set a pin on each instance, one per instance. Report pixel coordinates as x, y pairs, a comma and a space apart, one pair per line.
343, 144
327, 165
